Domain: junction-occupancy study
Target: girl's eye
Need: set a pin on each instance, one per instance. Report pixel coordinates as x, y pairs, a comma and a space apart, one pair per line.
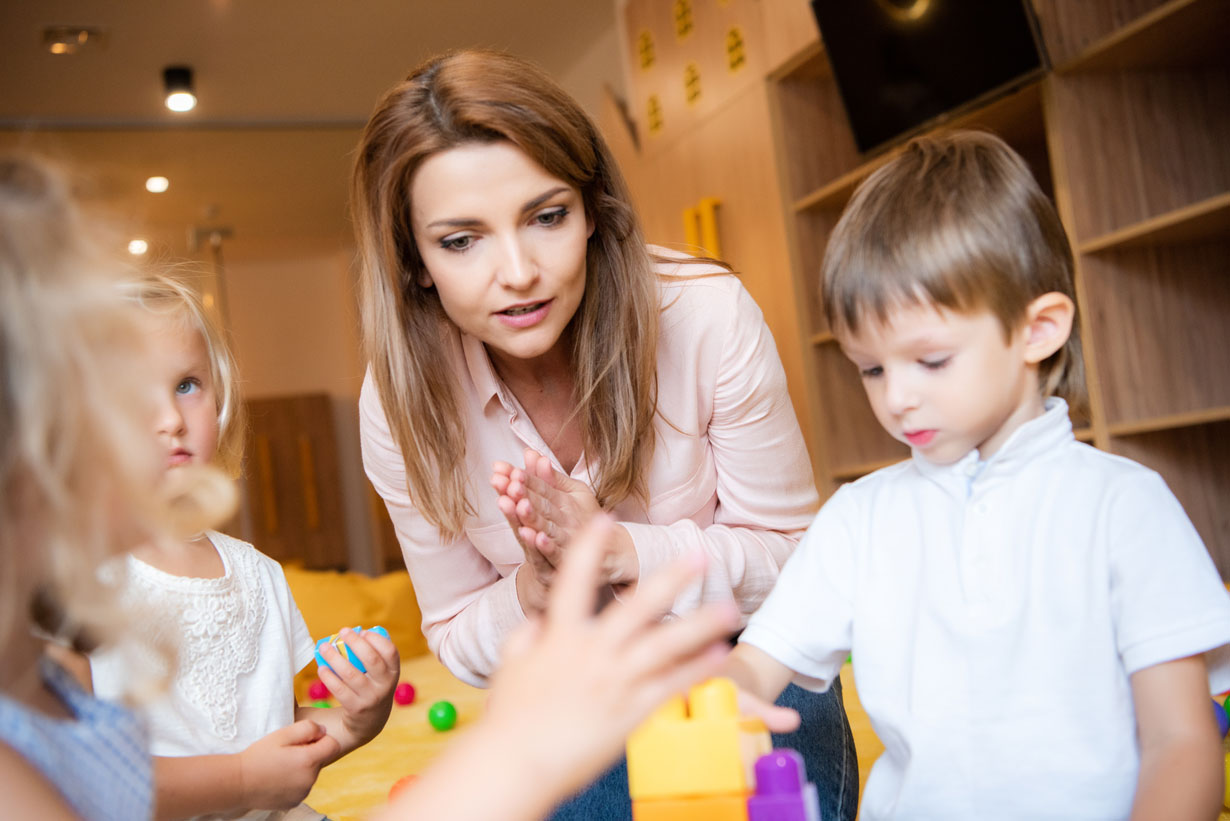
551, 218
872, 372
458, 243
936, 364
187, 386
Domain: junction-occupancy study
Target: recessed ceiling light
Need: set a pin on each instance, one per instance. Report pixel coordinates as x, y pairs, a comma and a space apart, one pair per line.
71, 39
177, 82
138, 247
156, 185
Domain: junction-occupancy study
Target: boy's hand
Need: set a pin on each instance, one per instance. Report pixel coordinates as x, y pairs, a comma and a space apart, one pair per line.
365, 698
277, 772
776, 719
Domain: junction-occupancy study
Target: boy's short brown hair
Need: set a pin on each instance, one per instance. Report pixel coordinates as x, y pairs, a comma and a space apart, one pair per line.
958, 221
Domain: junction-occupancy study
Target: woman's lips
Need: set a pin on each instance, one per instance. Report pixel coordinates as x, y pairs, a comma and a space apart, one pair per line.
523, 318
918, 438
179, 457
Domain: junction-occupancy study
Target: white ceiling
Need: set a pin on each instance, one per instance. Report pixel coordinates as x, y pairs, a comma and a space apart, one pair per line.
283, 88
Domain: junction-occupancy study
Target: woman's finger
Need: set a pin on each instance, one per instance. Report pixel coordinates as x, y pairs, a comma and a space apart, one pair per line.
575, 591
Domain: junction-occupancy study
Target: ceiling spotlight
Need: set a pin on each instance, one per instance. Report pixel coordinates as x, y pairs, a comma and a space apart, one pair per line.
71, 39
138, 247
177, 81
156, 185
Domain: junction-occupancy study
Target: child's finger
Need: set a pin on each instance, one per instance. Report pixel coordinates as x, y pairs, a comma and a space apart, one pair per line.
654, 597
304, 731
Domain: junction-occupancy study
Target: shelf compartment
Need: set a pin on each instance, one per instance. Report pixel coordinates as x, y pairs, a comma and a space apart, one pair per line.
1157, 320
1070, 29
1193, 462
1141, 145
1149, 41
1016, 117
809, 109
1203, 221
853, 435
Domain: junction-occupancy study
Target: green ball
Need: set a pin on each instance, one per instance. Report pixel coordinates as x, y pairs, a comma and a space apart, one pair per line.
442, 715
320, 702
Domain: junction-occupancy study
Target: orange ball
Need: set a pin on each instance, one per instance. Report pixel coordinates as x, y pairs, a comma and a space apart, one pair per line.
401, 784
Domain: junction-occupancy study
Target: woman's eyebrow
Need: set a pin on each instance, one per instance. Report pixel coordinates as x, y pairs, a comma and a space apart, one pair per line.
541, 198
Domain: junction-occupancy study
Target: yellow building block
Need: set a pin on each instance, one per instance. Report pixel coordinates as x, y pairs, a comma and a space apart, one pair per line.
702, 749
711, 808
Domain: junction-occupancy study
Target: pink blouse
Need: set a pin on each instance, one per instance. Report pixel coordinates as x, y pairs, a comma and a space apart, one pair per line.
730, 474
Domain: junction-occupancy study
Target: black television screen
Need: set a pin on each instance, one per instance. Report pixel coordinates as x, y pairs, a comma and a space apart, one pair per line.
900, 63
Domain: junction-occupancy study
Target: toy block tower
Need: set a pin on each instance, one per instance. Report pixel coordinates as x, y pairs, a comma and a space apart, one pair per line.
696, 761
783, 792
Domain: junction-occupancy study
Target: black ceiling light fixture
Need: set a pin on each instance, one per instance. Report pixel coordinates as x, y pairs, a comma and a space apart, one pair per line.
177, 82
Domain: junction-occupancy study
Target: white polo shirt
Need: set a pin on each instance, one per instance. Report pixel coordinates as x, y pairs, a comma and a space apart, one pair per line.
995, 611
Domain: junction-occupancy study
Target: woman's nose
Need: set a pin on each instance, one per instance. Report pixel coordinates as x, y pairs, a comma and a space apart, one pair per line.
517, 269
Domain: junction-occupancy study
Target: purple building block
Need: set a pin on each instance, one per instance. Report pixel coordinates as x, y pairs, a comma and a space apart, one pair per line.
781, 793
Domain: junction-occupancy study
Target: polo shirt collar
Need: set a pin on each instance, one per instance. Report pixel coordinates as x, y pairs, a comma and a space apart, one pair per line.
1034, 439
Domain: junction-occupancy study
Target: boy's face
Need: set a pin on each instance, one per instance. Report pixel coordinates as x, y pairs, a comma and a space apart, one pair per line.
945, 383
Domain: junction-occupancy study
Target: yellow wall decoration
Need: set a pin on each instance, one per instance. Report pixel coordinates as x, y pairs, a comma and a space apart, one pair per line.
736, 55
691, 83
683, 19
644, 49
700, 229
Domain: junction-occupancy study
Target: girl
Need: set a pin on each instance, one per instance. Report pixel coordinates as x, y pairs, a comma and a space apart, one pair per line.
77, 484
510, 307
227, 735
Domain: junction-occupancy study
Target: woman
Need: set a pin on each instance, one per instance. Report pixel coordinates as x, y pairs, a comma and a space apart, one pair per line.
511, 311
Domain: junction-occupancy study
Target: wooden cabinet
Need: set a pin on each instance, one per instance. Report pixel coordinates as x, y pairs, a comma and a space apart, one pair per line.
292, 486
1130, 133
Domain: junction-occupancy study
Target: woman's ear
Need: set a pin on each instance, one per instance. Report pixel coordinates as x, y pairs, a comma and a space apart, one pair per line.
1048, 324
424, 279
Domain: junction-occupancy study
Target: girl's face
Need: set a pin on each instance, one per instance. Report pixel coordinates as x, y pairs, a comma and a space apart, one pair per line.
186, 420
504, 246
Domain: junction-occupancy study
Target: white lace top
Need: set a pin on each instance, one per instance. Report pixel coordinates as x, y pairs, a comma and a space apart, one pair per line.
241, 640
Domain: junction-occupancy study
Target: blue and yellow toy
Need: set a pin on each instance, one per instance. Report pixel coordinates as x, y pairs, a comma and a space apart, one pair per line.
341, 647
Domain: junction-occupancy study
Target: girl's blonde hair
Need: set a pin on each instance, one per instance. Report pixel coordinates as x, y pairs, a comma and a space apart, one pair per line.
477, 96
956, 220
165, 296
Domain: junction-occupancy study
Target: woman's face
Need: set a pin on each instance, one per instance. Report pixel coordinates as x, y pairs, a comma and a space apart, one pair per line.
504, 246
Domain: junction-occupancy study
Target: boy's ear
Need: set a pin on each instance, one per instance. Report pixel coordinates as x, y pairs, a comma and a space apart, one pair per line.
1048, 324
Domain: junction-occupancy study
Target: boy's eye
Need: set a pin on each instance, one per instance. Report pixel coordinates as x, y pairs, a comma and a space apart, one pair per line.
872, 372
457, 243
936, 364
550, 218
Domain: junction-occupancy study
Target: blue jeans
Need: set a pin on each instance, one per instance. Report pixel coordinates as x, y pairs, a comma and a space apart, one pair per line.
824, 740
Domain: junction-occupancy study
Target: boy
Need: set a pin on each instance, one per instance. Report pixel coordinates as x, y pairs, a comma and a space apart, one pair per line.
1027, 615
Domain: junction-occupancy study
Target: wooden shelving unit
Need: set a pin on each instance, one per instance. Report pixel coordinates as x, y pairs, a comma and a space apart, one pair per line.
1129, 134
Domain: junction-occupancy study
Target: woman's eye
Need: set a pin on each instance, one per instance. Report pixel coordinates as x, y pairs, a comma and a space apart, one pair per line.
460, 243
550, 218
936, 364
872, 372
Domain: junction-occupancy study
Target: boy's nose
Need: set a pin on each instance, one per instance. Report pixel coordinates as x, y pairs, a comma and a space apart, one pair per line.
899, 394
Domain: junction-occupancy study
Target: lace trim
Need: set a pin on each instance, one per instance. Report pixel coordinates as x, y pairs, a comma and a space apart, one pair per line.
216, 623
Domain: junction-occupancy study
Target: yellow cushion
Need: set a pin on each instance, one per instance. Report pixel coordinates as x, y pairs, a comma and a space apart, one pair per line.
330, 601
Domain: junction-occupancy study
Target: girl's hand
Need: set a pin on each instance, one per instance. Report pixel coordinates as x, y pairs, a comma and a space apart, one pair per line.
365, 698
605, 672
277, 772
552, 507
